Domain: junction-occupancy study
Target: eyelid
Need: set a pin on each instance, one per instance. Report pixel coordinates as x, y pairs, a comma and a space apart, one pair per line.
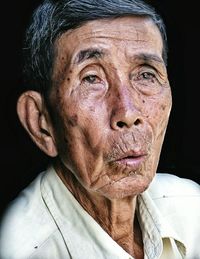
160, 74
90, 73
92, 70
151, 70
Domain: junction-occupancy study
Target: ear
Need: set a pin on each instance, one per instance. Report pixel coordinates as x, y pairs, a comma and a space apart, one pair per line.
35, 119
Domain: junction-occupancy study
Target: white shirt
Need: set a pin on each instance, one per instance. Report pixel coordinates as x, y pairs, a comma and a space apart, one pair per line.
47, 222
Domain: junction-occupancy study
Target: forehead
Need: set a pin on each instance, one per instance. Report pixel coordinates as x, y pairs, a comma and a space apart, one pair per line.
130, 33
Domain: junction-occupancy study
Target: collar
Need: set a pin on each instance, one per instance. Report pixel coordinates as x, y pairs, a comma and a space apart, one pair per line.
155, 228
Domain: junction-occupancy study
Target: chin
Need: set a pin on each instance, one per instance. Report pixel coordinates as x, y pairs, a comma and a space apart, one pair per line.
128, 186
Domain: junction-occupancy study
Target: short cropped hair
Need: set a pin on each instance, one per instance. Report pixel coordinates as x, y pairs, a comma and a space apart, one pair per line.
54, 17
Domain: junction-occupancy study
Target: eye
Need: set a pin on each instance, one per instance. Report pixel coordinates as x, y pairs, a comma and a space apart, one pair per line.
92, 79
146, 80
146, 76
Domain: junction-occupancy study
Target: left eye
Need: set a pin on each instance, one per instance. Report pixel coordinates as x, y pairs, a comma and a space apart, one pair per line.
146, 75
92, 79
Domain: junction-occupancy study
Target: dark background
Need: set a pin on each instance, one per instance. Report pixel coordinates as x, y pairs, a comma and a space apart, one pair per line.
21, 160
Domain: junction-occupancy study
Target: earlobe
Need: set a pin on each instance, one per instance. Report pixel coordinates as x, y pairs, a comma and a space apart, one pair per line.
31, 112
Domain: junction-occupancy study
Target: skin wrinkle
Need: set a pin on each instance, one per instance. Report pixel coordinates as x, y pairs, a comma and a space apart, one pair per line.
127, 142
72, 121
88, 138
116, 178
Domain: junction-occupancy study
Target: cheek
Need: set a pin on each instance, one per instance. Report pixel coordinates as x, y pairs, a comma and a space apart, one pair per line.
71, 121
158, 111
164, 110
80, 141
158, 119
81, 122
160, 114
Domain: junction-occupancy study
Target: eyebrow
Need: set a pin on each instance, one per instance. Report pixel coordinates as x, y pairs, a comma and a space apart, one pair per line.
89, 54
149, 58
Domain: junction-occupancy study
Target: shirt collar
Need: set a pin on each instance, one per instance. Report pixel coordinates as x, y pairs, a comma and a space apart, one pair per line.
155, 228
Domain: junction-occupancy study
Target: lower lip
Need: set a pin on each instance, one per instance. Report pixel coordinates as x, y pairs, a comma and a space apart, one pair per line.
132, 162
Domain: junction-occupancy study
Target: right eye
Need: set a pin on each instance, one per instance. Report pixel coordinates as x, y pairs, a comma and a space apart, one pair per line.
91, 79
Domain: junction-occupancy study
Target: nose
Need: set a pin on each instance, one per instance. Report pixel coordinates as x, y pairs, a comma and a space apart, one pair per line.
125, 112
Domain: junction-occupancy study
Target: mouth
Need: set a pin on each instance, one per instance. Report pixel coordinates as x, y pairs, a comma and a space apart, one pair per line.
131, 160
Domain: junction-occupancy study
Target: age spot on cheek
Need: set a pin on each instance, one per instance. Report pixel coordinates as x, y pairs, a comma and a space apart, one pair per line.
163, 107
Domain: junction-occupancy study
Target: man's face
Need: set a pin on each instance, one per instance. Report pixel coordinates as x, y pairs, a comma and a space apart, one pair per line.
112, 101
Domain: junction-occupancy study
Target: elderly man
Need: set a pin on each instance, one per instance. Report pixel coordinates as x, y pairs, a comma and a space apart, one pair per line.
98, 103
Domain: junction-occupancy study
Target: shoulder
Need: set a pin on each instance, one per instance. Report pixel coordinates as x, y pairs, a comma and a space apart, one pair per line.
170, 185
178, 201
172, 193
22, 221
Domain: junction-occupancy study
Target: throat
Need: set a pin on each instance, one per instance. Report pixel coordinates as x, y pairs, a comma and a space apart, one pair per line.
119, 220
129, 236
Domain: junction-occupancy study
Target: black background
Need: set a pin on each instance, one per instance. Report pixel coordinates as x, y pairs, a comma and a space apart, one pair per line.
21, 160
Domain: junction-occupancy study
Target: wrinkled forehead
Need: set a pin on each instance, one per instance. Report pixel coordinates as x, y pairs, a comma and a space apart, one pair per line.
139, 30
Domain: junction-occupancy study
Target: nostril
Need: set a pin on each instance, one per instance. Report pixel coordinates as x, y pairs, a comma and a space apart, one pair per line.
121, 124
137, 122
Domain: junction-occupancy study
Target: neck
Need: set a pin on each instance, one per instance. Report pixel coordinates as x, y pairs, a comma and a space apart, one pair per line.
116, 216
